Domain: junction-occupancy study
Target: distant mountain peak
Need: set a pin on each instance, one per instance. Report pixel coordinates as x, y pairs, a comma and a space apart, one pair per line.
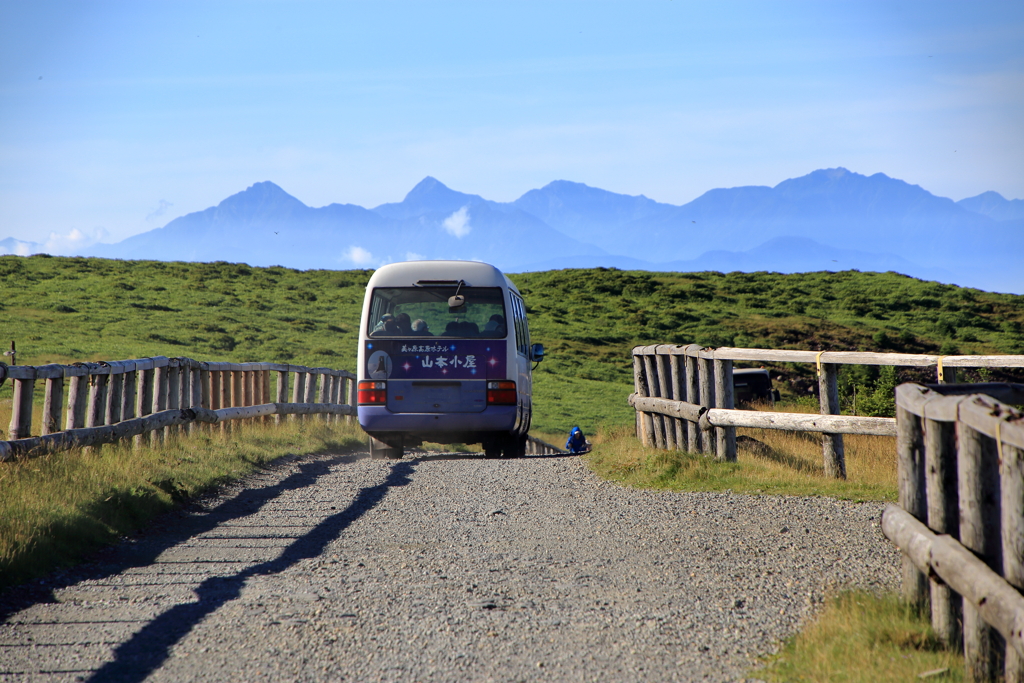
834, 173
262, 192
426, 187
995, 206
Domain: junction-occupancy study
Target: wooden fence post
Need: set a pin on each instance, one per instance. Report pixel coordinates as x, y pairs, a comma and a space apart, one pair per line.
173, 392
237, 390
944, 375
667, 427
227, 390
707, 395
667, 382
910, 481
310, 396
144, 396
53, 402
95, 415
161, 381
677, 375
693, 433
282, 390
654, 390
325, 392
115, 394
298, 390
644, 421
129, 390
197, 394
265, 388
21, 409
725, 437
978, 473
249, 388
244, 388
944, 518
1011, 508
833, 455
205, 386
78, 397
333, 398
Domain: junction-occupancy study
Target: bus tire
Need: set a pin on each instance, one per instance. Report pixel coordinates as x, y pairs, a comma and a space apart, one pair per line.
382, 451
515, 446
492, 447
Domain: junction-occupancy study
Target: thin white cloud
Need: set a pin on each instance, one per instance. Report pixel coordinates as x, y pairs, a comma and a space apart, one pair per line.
413, 256
19, 248
73, 242
358, 256
458, 223
160, 210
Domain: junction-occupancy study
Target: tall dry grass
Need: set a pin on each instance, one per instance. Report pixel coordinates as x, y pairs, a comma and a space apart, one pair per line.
57, 508
864, 638
768, 461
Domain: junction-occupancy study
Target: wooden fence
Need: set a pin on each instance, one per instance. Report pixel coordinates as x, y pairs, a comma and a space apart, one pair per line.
109, 401
684, 396
535, 446
960, 520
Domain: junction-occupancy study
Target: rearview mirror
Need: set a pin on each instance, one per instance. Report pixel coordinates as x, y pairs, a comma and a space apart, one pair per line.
537, 353
457, 301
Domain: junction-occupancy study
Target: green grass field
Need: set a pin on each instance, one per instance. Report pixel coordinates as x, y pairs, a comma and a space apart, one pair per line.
71, 309
58, 508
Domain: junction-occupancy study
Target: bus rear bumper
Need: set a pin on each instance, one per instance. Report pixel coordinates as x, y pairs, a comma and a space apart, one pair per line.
439, 427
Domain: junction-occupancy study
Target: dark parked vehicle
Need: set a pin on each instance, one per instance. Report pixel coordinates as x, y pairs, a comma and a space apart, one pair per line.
753, 384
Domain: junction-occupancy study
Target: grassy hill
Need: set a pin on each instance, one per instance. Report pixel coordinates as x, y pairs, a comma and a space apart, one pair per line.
71, 309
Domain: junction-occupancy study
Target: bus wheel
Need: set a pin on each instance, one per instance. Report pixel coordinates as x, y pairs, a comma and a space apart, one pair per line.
492, 448
382, 451
515, 446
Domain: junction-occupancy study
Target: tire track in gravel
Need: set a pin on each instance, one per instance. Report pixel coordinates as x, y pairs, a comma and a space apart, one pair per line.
446, 568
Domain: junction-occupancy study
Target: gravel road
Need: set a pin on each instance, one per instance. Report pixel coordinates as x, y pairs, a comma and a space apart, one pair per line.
445, 568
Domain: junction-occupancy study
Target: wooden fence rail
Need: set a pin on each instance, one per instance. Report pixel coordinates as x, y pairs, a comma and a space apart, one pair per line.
960, 523
535, 446
684, 396
108, 401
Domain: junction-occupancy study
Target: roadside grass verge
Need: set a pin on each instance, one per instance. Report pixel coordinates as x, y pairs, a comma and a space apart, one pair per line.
56, 509
860, 637
778, 463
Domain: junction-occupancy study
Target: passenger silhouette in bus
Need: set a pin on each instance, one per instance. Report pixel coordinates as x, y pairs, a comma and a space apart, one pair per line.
420, 329
404, 324
495, 327
383, 321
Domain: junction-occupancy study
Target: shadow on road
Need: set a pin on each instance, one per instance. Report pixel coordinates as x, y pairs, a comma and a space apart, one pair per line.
135, 659
158, 541
432, 457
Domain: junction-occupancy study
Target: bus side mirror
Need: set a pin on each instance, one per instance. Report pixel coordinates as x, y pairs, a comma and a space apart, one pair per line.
537, 353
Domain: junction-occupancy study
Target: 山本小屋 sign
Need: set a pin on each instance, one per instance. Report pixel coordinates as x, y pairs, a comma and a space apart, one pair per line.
435, 359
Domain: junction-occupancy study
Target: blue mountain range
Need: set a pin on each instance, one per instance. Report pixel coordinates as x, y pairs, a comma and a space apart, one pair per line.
831, 219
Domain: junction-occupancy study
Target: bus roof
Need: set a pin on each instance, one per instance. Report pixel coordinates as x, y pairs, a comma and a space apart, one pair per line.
409, 273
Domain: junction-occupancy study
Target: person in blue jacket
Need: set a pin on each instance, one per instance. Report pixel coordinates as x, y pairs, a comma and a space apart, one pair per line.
576, 443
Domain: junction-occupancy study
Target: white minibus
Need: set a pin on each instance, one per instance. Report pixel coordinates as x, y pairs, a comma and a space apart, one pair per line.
444, 356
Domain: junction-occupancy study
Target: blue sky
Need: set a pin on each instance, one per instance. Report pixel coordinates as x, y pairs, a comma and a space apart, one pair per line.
116, 117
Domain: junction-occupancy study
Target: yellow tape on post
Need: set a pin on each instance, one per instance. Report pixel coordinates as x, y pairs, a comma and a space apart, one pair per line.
999, 443
941, 373
817, 360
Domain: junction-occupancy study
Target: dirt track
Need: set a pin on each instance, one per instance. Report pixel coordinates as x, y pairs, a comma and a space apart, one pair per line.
445, 568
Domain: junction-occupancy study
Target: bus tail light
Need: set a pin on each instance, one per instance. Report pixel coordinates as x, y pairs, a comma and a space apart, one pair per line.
501, 393
372, 393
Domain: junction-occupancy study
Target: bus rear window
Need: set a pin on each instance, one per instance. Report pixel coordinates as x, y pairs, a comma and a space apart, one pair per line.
424, 312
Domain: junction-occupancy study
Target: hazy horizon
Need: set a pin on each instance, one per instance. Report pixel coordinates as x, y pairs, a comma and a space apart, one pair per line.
118, 118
